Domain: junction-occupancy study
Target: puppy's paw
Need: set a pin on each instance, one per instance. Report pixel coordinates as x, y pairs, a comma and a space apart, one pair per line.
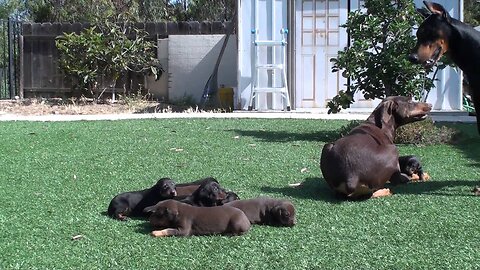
157, 233
414, 177
122, 217
426, 177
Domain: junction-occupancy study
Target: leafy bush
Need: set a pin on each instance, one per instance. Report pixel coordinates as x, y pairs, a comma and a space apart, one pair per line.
376, 62
420, 133
426, 133
104, 52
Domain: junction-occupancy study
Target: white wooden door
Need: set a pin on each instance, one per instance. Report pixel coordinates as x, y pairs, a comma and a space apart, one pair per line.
318, 38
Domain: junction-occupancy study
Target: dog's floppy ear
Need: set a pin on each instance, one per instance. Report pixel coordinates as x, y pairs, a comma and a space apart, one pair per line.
388, 110
384, 112
437, 9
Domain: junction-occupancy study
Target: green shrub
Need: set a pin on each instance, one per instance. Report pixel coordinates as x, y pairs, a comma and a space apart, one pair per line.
102, 53
376, 63
419, 133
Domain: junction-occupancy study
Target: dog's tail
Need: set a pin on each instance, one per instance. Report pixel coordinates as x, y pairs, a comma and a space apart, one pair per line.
325, 151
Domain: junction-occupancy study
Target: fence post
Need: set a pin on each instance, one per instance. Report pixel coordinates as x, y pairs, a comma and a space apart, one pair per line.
20, 62
11, 59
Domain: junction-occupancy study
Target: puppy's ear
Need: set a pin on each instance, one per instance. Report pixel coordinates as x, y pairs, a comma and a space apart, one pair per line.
172, 214
150, 209
281, 212
277, 211
437, 9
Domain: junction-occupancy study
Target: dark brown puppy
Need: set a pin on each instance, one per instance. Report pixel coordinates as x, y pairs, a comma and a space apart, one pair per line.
231, 196
267, 211
132, 203
187, 189
359, 164
180, 219
210, 193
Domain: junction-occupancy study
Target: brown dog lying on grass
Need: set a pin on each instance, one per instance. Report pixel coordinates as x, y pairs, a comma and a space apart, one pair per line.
175, 218
359, 164
267, 211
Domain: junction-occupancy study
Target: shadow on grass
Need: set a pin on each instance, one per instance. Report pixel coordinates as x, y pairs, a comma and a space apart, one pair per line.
311, 188
317, 189
281, 136
439, 188
143, 228
468, 142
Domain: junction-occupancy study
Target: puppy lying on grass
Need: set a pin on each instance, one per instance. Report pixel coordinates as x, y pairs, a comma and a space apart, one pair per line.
132, 203
267, 211
208, 194
187, 189
174, 218
410, 165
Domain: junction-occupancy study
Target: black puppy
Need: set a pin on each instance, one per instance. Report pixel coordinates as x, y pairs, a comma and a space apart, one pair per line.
210, 193
410, 165
132, 203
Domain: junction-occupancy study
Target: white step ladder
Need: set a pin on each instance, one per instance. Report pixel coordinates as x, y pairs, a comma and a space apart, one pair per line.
271, 68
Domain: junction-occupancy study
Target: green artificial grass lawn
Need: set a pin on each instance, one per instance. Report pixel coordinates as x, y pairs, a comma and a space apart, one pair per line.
57, 180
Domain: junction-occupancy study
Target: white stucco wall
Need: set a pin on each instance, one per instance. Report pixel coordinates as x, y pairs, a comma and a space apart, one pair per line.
191, 60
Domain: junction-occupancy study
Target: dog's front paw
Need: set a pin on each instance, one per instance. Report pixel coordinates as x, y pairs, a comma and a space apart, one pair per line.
426, 177
384, 192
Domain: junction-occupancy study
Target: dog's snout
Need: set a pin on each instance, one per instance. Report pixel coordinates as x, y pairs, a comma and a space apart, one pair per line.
427, 107
413, 57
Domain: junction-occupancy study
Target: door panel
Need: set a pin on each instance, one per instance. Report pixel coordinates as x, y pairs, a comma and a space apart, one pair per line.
319, 37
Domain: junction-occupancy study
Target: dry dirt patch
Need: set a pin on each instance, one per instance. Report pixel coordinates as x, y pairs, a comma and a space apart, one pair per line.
84, 107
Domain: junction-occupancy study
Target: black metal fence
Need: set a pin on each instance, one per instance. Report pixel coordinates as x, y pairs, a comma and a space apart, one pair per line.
10, 35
